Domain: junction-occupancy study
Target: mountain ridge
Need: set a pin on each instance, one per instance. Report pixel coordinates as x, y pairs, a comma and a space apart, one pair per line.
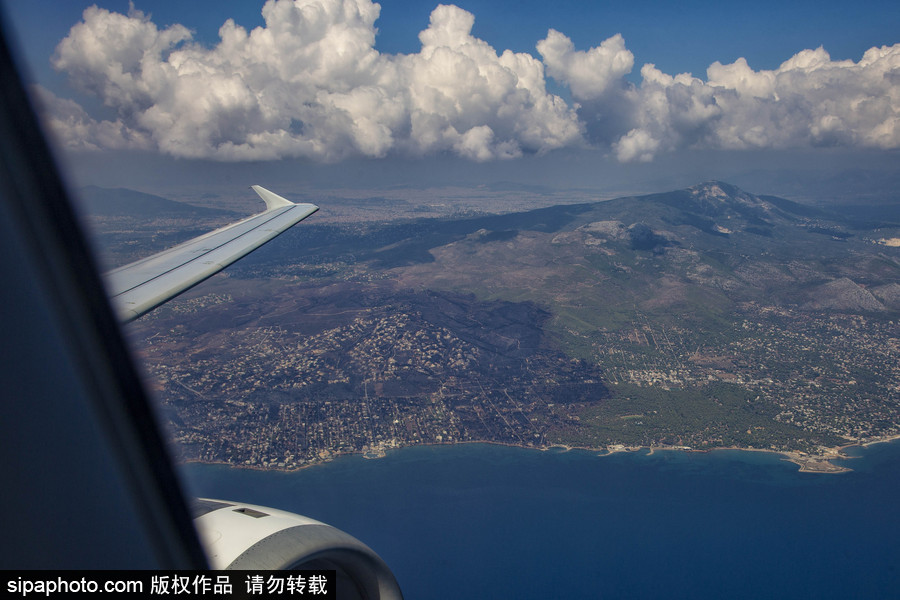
125, 202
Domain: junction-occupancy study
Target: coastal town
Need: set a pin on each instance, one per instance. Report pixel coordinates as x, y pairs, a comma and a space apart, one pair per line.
385, 375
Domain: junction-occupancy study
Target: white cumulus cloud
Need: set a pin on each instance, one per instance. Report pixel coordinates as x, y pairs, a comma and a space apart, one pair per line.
310, 83
74, 129
810, 100
588, 74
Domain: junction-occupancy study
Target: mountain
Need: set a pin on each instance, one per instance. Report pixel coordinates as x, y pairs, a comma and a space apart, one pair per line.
706, 249
97, 201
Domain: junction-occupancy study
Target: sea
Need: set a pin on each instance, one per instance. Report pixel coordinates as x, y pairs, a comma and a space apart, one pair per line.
489, 521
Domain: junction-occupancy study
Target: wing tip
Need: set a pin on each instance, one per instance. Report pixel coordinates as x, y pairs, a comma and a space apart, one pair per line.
271, 199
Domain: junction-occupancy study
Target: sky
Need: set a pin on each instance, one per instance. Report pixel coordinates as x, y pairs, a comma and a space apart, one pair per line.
539, 92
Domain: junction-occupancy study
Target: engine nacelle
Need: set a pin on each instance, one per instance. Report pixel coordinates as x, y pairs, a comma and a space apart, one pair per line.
249, 537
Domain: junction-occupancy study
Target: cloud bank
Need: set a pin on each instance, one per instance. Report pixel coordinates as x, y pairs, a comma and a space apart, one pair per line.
310, 83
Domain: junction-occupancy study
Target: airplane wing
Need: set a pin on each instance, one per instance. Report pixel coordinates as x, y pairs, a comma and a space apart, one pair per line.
140, 287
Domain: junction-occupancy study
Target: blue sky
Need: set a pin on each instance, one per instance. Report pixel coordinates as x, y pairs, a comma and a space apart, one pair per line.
676, 36
581, 89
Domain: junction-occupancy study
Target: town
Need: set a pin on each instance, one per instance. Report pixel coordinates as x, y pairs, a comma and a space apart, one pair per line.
411, 371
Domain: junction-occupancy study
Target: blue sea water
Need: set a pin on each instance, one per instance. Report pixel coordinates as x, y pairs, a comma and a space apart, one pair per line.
485, 521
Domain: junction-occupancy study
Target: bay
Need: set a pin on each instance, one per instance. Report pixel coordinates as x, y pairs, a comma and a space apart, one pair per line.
487, 521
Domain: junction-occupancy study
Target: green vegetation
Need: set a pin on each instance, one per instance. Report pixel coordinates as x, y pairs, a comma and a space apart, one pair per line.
714, 415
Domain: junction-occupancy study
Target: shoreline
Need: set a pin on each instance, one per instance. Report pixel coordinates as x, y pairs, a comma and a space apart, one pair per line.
808, 463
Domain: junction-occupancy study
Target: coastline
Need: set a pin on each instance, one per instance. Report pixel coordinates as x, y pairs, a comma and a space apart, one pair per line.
808, 463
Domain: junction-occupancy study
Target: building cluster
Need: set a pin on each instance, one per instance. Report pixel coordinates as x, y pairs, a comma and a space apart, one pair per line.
273, 397
823, 372
269, 397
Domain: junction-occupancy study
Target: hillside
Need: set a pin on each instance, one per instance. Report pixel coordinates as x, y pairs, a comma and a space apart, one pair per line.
705, 317
122, 202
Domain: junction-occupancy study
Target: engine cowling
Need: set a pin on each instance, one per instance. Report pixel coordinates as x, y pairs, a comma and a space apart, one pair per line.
249, 537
